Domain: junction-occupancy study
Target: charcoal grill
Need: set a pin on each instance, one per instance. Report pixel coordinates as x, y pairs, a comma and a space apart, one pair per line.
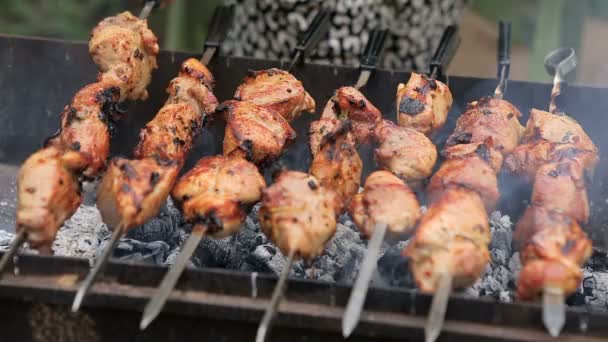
38, 78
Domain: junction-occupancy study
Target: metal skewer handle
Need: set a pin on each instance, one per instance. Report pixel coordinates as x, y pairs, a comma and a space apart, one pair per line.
221, 22
309, 39
559, 63
372, 54
445, 52
504, 58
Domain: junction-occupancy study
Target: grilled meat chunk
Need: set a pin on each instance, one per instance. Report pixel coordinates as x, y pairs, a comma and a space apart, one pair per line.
257, 133
169, 136
385, 199
452, 238
553, 247
49, 193
277, 90
338, 166
405, 152
125, 50
347, 104
299, 214
132, 191
423, 103
551, 138
485, 151
471, 173
216, 192
489, 119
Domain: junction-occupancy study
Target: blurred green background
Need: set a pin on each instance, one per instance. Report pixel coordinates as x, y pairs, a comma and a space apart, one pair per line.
538, 25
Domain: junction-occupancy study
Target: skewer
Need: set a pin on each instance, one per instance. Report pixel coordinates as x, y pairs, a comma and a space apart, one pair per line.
311, 37
558, 63
436, 316
277, 296
147, 9
315, 31
22, 236
156, 303
99, 266
359, 291
12, 250
372, 54
224, 15
450, 40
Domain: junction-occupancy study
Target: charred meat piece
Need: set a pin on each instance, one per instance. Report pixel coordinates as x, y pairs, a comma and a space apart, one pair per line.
217, 192
49, 193
423, 103
385, 199
347, 104
299, 214
452, 238
560, 187
485, 151
132, 191
257, 133
551, 138
405, 152
125, 50
277, 90
169, 136
553, 247
338, 166
489, 119
84, 125
471, 173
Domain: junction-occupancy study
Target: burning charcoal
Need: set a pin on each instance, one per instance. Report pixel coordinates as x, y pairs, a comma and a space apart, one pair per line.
155, 252
82, 234
165, 227
515, 264
498, 257
5, 240
502, 275
342, 257
502, 234
393, 267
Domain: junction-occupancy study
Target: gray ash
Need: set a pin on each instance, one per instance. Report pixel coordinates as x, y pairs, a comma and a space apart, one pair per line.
158, 242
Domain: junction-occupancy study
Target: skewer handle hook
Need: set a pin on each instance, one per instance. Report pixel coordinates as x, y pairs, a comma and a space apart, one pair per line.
221, 22
559, 63
309, 39
372, 55
445, 52
504, 58
8, 256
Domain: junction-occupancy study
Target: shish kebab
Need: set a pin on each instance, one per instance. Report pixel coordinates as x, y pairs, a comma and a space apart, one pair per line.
299, 210
49, 181
450, 246
555, 155
132, 191
387, 203
217, 193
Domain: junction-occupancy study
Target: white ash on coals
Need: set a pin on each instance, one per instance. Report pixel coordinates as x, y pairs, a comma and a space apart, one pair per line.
158, 242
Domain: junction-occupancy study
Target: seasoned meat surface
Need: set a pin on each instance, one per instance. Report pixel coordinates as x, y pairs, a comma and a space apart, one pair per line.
298, 214
125, 50
551, 138
489, 119
257, 133
350, 104
552, 249
48, 193
338, 166
132, 191
452, 237
423, 103
217, 191
170, 135
385, 199
277, 90
405, 152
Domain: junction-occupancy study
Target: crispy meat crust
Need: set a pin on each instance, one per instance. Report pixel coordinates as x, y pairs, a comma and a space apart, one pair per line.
423, 104
299, 214
277, 90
